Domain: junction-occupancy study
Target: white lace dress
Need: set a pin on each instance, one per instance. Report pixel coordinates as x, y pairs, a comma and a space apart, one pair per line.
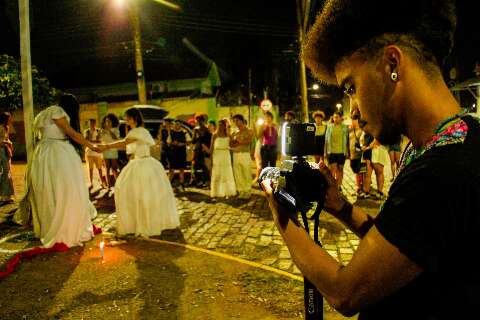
144, 198
222, 182
57, 193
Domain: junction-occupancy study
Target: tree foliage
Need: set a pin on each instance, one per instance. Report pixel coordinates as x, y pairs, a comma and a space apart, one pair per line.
11, 86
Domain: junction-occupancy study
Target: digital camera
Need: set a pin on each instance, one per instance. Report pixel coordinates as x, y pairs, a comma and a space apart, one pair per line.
297, 183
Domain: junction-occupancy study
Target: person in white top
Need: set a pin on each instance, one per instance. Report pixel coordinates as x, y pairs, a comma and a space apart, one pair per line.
222, 183
56, 200
144, 198
242, 162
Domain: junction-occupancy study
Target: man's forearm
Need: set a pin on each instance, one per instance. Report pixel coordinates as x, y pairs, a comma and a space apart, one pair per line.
355, 219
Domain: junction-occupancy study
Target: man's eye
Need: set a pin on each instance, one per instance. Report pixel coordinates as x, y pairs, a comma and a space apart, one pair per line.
350, 90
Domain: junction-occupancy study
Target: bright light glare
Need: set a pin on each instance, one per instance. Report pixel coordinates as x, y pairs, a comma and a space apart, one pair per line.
284, 137
339, 106
315, 86
169, 4
260, 122
120, 4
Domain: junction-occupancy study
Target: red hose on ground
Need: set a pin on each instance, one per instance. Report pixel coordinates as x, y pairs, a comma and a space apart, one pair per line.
33, 252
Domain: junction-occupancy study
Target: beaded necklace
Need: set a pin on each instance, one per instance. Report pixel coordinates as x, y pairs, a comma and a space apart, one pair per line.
450, 131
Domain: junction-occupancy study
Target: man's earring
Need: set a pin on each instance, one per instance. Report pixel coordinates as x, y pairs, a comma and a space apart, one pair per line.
394, 76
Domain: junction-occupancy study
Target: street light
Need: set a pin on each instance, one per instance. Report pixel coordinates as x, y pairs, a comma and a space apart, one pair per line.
315, 86
137, 40
339, 106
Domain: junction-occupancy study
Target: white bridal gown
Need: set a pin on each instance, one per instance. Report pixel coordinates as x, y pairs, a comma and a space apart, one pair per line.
222, 182
57, 194
144, 198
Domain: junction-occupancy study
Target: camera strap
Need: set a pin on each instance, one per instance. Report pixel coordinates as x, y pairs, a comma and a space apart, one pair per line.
313, 299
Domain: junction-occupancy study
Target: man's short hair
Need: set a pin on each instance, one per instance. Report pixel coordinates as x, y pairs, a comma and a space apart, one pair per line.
268, 113
318, 113
338, 113
290, 113
238, 117
424, 28
201, 117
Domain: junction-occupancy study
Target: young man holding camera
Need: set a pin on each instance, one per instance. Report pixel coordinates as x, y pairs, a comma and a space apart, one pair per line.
410, 263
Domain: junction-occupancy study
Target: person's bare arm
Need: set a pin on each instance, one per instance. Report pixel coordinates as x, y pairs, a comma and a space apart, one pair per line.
376, 270
63, 124
210, 151
117, 144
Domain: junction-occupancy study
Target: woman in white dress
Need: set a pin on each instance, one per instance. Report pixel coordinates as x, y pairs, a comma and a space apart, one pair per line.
144, 198
56, 200
222, 182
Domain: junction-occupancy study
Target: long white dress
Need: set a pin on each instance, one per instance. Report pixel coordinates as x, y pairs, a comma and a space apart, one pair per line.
57, 194
144, 198
222, 182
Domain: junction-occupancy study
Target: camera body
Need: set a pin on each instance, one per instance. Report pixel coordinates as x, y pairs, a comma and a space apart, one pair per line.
297, 183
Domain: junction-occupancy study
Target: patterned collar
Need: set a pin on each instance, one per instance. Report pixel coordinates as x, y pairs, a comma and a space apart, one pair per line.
450, 131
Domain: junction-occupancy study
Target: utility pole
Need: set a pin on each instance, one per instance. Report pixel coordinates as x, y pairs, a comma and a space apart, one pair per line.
26, 65
303, 8
249, 96
137, 39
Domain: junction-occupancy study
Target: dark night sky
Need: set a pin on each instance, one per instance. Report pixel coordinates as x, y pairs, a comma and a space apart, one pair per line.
88, 42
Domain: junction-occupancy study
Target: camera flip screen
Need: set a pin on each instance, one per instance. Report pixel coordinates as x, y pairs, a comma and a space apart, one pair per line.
298, 139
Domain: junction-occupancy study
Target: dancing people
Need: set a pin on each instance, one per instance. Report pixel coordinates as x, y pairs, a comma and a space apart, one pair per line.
144, 198
56, 200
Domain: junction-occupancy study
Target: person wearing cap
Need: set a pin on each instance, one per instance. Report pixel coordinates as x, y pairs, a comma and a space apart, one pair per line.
411, 262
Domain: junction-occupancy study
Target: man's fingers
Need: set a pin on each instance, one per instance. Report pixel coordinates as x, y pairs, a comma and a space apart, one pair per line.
267, 186
326, 173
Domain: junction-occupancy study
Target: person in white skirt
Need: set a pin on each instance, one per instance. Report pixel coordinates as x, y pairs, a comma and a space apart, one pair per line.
144, 198
56, 200
222, 183
242, 162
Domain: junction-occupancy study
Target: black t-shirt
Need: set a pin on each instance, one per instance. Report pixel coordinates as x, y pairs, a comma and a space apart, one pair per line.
432, 215
178, 136
201, 136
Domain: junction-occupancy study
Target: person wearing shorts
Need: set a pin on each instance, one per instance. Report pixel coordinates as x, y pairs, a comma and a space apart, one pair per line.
336, 146
93, 158
366, 144
320, 129
394, 154
178, 158
355, 149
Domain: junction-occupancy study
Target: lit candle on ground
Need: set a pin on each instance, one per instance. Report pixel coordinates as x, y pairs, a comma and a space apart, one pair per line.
102, 247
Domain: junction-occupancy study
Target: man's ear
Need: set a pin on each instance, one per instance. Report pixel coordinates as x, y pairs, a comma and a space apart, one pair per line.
392, 59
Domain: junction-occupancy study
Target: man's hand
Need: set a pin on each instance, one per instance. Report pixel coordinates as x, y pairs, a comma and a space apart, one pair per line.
99, 148
280, 213
334, 200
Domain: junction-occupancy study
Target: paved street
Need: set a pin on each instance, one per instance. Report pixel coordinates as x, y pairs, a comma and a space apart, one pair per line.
242, 228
